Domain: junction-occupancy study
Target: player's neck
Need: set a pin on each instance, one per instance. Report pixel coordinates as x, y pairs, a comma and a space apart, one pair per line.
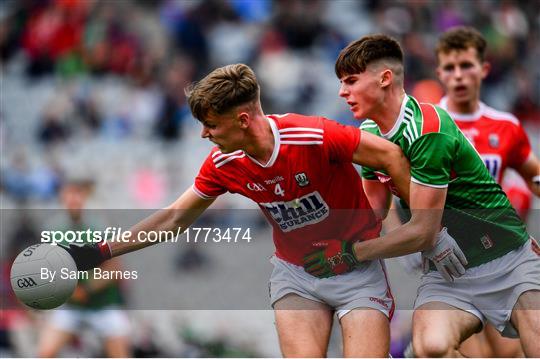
388, 113
261, 145
463, 108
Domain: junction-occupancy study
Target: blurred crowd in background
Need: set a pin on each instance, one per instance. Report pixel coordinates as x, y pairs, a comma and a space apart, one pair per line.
94, 88
80, 72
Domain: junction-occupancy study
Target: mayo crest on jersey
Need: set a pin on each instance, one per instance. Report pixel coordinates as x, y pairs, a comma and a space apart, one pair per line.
477, 212
497, 136
309, 190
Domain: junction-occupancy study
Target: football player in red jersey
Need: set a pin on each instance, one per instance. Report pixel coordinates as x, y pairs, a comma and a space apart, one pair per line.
497, 136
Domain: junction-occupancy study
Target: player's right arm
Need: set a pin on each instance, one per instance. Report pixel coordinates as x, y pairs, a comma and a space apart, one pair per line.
180, 214
530, 171
524, 161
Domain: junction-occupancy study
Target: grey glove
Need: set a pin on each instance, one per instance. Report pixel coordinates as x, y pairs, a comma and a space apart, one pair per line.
447, 257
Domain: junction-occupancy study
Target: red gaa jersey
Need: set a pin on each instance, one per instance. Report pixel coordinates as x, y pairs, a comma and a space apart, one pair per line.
497, 136
309, 190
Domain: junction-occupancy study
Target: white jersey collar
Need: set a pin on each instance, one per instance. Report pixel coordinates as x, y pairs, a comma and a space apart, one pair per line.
399, 119
277, 143
463, 116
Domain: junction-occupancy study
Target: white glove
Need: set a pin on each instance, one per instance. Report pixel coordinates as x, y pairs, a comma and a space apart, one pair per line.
447, 257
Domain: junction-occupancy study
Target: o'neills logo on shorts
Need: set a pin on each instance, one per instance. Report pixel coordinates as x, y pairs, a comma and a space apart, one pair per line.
298, 213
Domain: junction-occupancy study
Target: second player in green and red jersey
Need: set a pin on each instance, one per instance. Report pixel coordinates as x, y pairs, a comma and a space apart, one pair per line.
477, 212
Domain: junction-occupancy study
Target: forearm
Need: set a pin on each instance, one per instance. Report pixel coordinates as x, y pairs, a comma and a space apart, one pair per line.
427, 205
179, 215
171, 220
530, 172
163, 220
406, 239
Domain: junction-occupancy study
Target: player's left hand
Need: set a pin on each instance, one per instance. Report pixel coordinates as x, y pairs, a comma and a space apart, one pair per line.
448, 258
331, 258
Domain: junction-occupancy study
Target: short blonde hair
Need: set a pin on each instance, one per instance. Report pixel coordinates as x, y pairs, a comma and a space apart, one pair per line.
222, 90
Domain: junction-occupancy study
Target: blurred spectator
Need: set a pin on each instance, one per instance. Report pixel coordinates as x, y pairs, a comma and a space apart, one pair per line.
52, 129
87, 109
16, 178
299, 22
173, 109
24, 182
15, 321
52, 32
96, 302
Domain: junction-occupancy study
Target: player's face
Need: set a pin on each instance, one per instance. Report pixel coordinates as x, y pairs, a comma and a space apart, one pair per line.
224, 131
362, 93
461, 72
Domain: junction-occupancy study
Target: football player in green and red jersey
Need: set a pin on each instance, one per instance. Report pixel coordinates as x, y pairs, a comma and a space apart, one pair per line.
451, 185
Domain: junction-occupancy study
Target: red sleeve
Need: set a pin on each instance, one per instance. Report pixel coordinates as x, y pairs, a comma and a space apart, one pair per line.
521, 148
207, 184
340, 141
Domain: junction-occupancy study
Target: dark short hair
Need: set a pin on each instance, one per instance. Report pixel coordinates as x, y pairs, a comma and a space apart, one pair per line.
360, 53
461, 38
222, 90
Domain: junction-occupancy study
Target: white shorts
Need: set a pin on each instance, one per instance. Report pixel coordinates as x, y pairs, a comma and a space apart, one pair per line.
366, 287
109, 322
488, 291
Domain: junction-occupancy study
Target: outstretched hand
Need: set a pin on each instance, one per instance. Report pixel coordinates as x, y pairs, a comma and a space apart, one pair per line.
88, 256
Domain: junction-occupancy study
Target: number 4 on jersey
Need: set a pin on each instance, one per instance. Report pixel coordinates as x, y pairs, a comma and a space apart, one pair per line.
279, 191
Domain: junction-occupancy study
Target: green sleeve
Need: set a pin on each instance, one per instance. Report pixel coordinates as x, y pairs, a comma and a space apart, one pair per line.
431, 157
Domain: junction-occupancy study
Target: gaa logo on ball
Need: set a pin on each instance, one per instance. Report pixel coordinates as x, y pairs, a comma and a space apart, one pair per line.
26, 282
31, 287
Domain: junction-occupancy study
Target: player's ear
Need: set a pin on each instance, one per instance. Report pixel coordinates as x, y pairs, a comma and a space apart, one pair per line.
486, 68
386, 78
243, 119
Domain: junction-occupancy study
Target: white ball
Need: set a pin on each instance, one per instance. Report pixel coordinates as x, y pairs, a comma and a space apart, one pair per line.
30, 283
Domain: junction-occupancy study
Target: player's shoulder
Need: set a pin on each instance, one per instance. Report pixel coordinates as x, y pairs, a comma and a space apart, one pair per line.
491, 114
424, 119
217, 159
295, 120
369, 126
295, 129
